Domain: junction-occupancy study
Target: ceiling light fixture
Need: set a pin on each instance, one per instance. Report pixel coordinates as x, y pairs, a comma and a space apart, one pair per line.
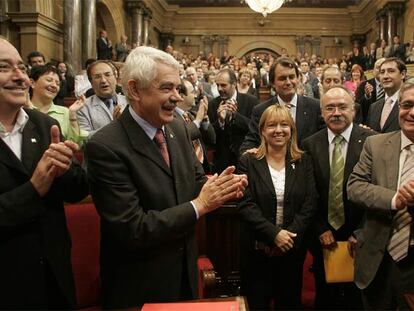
265, 6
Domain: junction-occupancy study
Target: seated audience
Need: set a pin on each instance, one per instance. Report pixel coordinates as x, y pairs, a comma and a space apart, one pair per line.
357, 76
277, 209
45, 84
67, 83
244, 82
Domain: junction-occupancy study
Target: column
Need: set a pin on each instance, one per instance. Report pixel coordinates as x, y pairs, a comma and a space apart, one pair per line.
223, 43
88, 30
72, 40
390, 26
300, 44
147, 20
381, 24
316, 45
137, 13
208, 44
4, 19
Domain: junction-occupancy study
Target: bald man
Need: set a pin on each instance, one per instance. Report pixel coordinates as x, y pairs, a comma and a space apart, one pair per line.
337, 106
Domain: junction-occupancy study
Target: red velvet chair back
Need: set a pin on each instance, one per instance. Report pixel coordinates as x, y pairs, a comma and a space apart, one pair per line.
84, 227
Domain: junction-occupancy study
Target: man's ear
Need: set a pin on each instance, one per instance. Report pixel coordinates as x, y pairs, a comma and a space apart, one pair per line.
32, 83
133, 89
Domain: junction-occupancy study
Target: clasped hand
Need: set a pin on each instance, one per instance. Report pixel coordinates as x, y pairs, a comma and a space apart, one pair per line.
56, 160
405, 195
219, 189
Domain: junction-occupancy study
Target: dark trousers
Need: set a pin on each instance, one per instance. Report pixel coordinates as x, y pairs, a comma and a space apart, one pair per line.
386, 291
333, 296
273, 282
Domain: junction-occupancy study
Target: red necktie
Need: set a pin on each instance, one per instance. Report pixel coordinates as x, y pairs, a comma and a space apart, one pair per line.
162, 144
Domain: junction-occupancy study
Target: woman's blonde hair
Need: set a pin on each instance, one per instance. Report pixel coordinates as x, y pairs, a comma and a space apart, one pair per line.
278, 113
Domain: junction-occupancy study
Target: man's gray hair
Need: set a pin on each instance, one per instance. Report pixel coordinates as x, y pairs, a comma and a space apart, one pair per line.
140, 66
408, 84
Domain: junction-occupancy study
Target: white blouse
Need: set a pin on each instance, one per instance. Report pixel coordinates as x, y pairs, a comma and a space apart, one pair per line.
278, 179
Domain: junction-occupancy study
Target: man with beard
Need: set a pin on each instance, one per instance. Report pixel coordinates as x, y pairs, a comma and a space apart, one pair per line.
230, 114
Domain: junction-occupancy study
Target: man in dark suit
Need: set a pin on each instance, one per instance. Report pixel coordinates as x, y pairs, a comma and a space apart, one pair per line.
383, 114
103, 46
397, 49
338, 112
370, 91
382, 182
149, 193
284, 75
37, 176
230, 114
199, 127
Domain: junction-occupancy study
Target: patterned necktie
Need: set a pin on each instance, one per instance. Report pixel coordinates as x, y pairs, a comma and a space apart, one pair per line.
162, 145
380, 93
400, 239
109, 102
386, 110
336, 216
196, 143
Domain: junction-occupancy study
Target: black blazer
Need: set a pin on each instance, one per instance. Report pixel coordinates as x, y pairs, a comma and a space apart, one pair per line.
258, 207
362, 100
308, 120
147, 220
34, 240
229, 138
317, 146
103, 50
374, 117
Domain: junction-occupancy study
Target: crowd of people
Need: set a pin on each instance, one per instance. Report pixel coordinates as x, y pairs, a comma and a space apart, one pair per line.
327, 157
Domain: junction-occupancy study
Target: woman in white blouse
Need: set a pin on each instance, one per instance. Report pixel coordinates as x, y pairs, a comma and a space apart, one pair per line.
276, 210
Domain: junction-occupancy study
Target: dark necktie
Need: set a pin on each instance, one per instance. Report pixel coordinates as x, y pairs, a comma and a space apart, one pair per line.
162, 145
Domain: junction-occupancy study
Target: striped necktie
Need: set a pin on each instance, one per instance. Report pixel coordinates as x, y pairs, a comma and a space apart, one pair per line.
336, 216
196, 143
400, 239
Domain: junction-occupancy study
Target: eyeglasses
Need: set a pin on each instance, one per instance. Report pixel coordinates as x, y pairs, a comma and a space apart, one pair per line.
331, 109
100, 75
7, 68
406, 105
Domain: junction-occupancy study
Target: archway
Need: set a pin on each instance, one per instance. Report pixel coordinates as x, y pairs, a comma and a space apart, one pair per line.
255, 46
109, 16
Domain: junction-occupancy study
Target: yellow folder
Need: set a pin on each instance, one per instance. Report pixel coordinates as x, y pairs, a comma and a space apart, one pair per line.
339, 265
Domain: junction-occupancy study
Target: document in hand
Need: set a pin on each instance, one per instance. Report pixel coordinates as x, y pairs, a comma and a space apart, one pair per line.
339, 265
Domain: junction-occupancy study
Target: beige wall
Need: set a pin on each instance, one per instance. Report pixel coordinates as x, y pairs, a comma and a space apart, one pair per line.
41, 25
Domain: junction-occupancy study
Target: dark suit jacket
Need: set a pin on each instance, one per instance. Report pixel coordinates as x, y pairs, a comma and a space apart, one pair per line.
374, 117
147, 220
362, 100
207, 137
229, 138
372, 185
398, 52
258, 207
318, 147
103, 50
308, 121
34, 240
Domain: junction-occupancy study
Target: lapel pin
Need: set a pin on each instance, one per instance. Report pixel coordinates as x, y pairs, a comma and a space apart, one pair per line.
33, 140
171, 135
360, 141
293, 166
305, 113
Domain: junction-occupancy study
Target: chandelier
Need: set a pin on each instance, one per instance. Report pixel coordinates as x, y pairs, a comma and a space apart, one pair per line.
265, 6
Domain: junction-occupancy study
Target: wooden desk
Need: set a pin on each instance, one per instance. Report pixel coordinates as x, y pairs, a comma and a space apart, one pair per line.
175, 305
409, 297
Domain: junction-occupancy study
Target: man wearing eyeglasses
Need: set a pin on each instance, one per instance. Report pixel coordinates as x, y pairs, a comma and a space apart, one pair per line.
334, 151
105, 106
37, 176
382, 182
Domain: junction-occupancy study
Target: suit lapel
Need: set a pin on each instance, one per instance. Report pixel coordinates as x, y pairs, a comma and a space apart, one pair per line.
290, 177
301, 116
354, 150
31, 147
262, 168
141, 143
323, 155
391, 159
377, 115
392, 116
8, 158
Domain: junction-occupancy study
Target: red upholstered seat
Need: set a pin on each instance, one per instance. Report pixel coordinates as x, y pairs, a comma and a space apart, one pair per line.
84, 227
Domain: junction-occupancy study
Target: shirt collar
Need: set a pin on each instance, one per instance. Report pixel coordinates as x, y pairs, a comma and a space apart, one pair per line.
21, 121
394, 96
292, 103
345, 134
179, 111
52, 109
148, 128
405, 141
